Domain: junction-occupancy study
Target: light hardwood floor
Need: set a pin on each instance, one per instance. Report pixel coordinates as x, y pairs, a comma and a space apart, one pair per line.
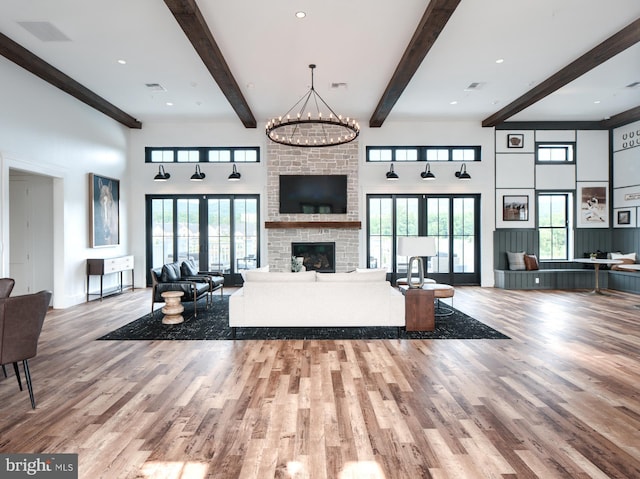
558, 400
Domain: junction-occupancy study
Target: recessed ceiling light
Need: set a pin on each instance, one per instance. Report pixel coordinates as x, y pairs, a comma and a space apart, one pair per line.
454, 102
169, 103
122, 62
300, 14
596, 102
500, 60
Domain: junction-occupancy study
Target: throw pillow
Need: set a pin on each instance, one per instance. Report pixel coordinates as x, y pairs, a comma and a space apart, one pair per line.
170, 272
188, 268
531, 262
280, 277
620, 267
516, 261
243, 273
631, 256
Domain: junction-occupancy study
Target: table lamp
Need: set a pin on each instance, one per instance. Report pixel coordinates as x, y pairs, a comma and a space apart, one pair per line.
416, 247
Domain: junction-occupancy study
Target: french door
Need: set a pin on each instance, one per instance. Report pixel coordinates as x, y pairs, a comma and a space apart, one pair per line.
219, 232
454, 222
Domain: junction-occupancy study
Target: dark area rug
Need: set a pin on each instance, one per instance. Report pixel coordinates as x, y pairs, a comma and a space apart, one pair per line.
213, 323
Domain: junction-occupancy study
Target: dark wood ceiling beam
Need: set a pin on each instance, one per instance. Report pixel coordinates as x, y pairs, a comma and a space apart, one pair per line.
625, 38
34, 64
190, 19
431, 25
623, 118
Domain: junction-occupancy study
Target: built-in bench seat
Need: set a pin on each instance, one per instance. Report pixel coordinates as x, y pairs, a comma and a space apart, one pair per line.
551, 275
564, 274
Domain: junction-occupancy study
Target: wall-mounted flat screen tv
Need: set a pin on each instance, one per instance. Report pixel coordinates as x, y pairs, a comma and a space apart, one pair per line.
312, 194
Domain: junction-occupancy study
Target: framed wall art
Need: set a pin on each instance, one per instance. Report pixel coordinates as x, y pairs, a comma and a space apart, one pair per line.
515, 208
624, 218
593, 205
515, 140
104, 211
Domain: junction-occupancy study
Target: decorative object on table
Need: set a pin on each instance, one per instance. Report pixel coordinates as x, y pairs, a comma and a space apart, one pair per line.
416, 247
515, 208
515, 140
213, 324
301, 128
104, 211
593, 205
297, 264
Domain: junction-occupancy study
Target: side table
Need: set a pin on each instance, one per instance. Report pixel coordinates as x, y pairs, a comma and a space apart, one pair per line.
173, 307
418, 309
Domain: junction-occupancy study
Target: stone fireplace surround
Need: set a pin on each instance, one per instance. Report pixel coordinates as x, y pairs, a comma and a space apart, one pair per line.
284, 229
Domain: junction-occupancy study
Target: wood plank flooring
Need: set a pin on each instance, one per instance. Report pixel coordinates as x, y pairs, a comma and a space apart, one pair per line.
558, 400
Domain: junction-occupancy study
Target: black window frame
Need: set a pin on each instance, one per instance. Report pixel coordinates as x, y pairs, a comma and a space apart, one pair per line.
422, 153
203, 153
559, 145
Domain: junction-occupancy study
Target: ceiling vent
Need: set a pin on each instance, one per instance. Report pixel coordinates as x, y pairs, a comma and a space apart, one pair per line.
338, 86
45, 31
155, 87
635, 84
474, 86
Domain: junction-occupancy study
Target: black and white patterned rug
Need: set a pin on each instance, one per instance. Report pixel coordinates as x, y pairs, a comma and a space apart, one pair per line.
213, 323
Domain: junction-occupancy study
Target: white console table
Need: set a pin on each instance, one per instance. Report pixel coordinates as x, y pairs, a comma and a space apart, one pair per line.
103, 266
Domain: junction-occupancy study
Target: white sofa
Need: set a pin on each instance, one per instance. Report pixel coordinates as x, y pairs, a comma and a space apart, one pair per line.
362, 298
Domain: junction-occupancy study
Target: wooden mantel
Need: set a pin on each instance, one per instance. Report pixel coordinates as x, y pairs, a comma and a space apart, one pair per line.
313, 224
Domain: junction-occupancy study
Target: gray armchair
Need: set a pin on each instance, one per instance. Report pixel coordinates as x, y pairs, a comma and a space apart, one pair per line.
21, 319
6, 286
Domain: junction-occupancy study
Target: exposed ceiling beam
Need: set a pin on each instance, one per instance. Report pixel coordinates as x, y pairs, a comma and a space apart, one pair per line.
431, 25
195, 28
34, 64
625, 38
623, 118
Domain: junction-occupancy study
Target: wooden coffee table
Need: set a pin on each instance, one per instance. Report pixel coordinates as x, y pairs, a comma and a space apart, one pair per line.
173, 307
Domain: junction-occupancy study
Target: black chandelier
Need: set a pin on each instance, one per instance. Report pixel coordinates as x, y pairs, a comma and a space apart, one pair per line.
332, 130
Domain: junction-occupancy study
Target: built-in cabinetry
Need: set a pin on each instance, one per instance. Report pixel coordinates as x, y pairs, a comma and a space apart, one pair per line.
103, 266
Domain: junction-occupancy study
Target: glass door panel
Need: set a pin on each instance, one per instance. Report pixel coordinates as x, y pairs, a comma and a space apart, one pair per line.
245, 233
219, 235
380, 233
161, 232
438, 218
188, 229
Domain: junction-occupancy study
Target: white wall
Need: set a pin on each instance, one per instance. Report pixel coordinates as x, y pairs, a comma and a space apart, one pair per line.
46, 131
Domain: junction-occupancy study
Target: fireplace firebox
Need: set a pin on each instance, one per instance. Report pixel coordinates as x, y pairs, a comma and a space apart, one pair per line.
316, 256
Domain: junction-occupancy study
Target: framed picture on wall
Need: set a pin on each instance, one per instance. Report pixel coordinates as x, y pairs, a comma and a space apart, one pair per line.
104, 211
515, 208
624, 217
593, 205
515, 140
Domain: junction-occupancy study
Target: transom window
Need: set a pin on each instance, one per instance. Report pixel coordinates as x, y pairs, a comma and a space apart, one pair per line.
555, 152
423, 153
202, 155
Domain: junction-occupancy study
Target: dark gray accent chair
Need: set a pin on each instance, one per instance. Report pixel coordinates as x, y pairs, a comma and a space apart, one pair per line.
21, 319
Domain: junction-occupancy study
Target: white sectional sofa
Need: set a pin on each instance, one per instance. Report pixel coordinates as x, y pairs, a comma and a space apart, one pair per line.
272, 299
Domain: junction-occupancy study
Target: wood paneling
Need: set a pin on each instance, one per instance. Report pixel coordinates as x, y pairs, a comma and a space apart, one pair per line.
557, 400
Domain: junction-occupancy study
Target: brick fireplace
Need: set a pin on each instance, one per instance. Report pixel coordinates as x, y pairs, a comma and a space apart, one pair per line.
284, 229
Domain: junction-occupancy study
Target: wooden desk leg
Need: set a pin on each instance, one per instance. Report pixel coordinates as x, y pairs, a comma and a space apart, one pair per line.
419, 310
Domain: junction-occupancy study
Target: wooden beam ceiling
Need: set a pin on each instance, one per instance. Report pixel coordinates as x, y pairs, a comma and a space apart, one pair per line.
431, 25
34, 64
625, 38
195, 28
622, 119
